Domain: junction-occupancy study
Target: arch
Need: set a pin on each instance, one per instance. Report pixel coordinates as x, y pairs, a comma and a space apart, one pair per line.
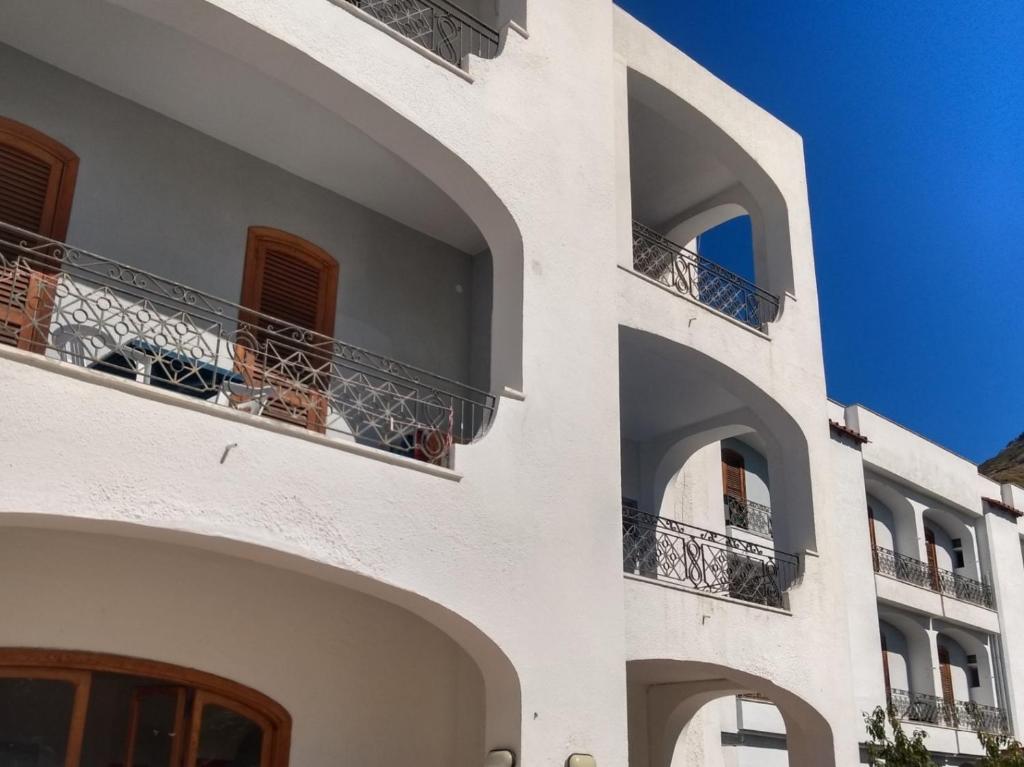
914, 632
785, 444
666, 694
963, 643
905, 534
751, 187
274, 720
897, 657
501, 709
946, 527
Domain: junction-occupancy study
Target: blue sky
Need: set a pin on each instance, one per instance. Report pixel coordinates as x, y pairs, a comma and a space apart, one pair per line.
912, 113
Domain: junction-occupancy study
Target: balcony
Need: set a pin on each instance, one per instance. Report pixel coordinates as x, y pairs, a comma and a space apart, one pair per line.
665, 550
92, 312
696, 277
923, 575
441, 27
748, 515
960, 714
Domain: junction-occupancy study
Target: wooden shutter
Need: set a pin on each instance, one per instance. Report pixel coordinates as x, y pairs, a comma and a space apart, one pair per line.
885, 669
293, 281
874, 543
734, 481
933, 560
37, 184
947, 676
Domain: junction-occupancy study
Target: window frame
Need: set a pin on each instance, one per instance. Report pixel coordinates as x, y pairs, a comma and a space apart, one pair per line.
77, 667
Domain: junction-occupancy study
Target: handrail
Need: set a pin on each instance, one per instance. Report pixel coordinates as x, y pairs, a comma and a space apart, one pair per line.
748, 515
440, 26
103, 314
664, 549
961, 714
918, 573
691, 274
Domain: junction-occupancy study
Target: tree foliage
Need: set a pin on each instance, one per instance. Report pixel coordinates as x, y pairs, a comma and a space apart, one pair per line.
1001, 751
890, 746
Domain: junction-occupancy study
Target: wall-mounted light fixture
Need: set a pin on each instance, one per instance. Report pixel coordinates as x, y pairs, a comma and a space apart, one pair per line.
581, 760
500, 758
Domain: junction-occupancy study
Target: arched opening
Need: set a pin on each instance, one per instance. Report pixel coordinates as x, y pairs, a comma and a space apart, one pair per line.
422, 241
683, 712
369, 674
684, 418
709, 222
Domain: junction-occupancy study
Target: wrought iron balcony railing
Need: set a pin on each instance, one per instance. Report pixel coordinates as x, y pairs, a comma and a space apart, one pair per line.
86, 310
918, 573
663, 549
749, 515
437, 25
693, 275
961, 714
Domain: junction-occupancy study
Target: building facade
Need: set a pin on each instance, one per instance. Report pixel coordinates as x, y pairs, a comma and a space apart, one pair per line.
372, 397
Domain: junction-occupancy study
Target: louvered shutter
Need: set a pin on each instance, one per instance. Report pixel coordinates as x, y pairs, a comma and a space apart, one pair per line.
734, 481
933, 560
885, 669
293, 285
874, 541
37, 179
947, 676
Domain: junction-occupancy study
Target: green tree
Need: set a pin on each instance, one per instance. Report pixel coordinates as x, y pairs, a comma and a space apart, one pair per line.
1001, 751
899, 749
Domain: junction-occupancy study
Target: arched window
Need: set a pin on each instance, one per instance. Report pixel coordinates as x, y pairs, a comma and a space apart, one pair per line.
37, 184
734, 481
291, 285
71, 709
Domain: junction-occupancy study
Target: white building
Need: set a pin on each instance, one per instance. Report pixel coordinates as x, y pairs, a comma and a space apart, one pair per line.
380, 410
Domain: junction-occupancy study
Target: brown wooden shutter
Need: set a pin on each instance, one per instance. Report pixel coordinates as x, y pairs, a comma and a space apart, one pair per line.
885, 669
947, 675
734, 481
933, 560
874, 542
291, 281
37, 184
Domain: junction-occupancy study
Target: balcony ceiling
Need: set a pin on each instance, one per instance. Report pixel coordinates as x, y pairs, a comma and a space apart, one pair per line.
671, 171
661, 393
209, 91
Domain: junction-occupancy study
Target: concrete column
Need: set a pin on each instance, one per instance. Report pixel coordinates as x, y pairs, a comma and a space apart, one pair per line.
623, 184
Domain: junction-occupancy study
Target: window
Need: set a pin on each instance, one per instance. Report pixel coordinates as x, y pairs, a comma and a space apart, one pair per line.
289, 284
37, 183
958, 554
734, 481
66, 709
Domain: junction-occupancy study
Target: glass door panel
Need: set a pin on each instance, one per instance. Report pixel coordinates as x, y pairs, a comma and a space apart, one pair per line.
41, 717
156, 727
226, 734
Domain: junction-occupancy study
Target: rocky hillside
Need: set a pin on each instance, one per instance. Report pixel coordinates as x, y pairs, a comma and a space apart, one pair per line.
1008, 466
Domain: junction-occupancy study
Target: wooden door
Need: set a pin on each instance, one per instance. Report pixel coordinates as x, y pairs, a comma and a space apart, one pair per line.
948, 697
933, 560
37, 184
874, 543
291, 286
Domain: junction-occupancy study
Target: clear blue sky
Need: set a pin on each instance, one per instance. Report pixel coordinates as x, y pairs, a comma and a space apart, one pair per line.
912, 113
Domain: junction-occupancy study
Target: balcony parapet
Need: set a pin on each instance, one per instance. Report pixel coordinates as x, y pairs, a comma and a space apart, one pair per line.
441, 27
701, 279
86, 310
960, 714
663, 549
748, 515
923, 575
